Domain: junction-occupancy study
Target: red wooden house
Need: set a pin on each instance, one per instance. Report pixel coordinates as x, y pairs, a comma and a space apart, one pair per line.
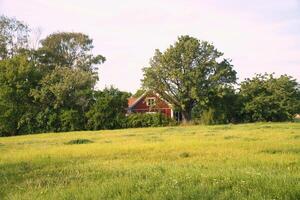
149, 102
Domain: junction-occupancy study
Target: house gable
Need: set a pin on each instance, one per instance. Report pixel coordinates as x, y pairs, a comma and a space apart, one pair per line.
150, 102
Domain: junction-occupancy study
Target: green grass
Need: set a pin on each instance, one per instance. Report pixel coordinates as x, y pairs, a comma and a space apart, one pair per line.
251, 161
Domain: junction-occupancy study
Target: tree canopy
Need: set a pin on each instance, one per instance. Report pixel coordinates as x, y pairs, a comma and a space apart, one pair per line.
187, 72
72, 50
266, 98
14, 36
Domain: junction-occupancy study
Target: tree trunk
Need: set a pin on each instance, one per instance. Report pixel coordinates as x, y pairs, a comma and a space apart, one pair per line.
186, 116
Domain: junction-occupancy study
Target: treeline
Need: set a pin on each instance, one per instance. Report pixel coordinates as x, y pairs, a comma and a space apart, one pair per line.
263, 98
51, 88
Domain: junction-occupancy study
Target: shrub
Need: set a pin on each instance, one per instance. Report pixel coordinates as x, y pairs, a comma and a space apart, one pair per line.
184, 155
108, 110
207, 117
80, 141
137, 120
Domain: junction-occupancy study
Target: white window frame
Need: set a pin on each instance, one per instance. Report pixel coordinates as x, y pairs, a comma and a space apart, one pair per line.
151, 99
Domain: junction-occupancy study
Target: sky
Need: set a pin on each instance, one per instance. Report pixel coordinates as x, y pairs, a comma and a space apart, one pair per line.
258, 35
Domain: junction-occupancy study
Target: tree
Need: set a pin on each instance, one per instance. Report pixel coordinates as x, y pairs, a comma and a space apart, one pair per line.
63, 93
69, 76
18, 76
266, 98
108, 110
71, 50
187, 72
14, 36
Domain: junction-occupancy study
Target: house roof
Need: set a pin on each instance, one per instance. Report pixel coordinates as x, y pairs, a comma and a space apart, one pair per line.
131, 101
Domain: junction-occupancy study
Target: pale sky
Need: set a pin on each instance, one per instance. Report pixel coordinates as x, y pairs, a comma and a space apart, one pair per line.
258, 35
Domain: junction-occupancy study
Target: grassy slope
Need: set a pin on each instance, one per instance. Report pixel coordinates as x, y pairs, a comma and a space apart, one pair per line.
252, 161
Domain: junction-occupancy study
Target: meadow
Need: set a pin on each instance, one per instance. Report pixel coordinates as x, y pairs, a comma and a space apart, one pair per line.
249, 161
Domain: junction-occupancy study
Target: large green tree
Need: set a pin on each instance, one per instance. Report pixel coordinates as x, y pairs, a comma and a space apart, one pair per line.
266, 98
69, 76
187, 72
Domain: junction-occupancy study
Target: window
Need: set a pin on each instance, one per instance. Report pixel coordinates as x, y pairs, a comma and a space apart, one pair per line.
150, 101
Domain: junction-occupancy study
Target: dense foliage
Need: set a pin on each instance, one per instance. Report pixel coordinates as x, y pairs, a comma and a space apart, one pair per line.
266, 98
108, 110
47, 89
221, 107
18, 77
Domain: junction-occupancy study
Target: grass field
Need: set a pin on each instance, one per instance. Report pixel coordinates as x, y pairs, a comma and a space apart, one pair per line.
251, 161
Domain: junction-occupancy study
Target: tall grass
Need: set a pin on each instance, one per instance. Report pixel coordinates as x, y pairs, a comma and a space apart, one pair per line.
251, 161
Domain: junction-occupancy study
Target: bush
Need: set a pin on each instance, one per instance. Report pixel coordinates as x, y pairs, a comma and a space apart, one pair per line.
184, 155
80, 141
207, 117
108, 110
137, 120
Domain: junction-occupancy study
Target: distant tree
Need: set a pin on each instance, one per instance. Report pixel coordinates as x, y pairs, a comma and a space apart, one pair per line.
18, 76
14, 36
187, 72
267, 98
71, 50
108, 110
